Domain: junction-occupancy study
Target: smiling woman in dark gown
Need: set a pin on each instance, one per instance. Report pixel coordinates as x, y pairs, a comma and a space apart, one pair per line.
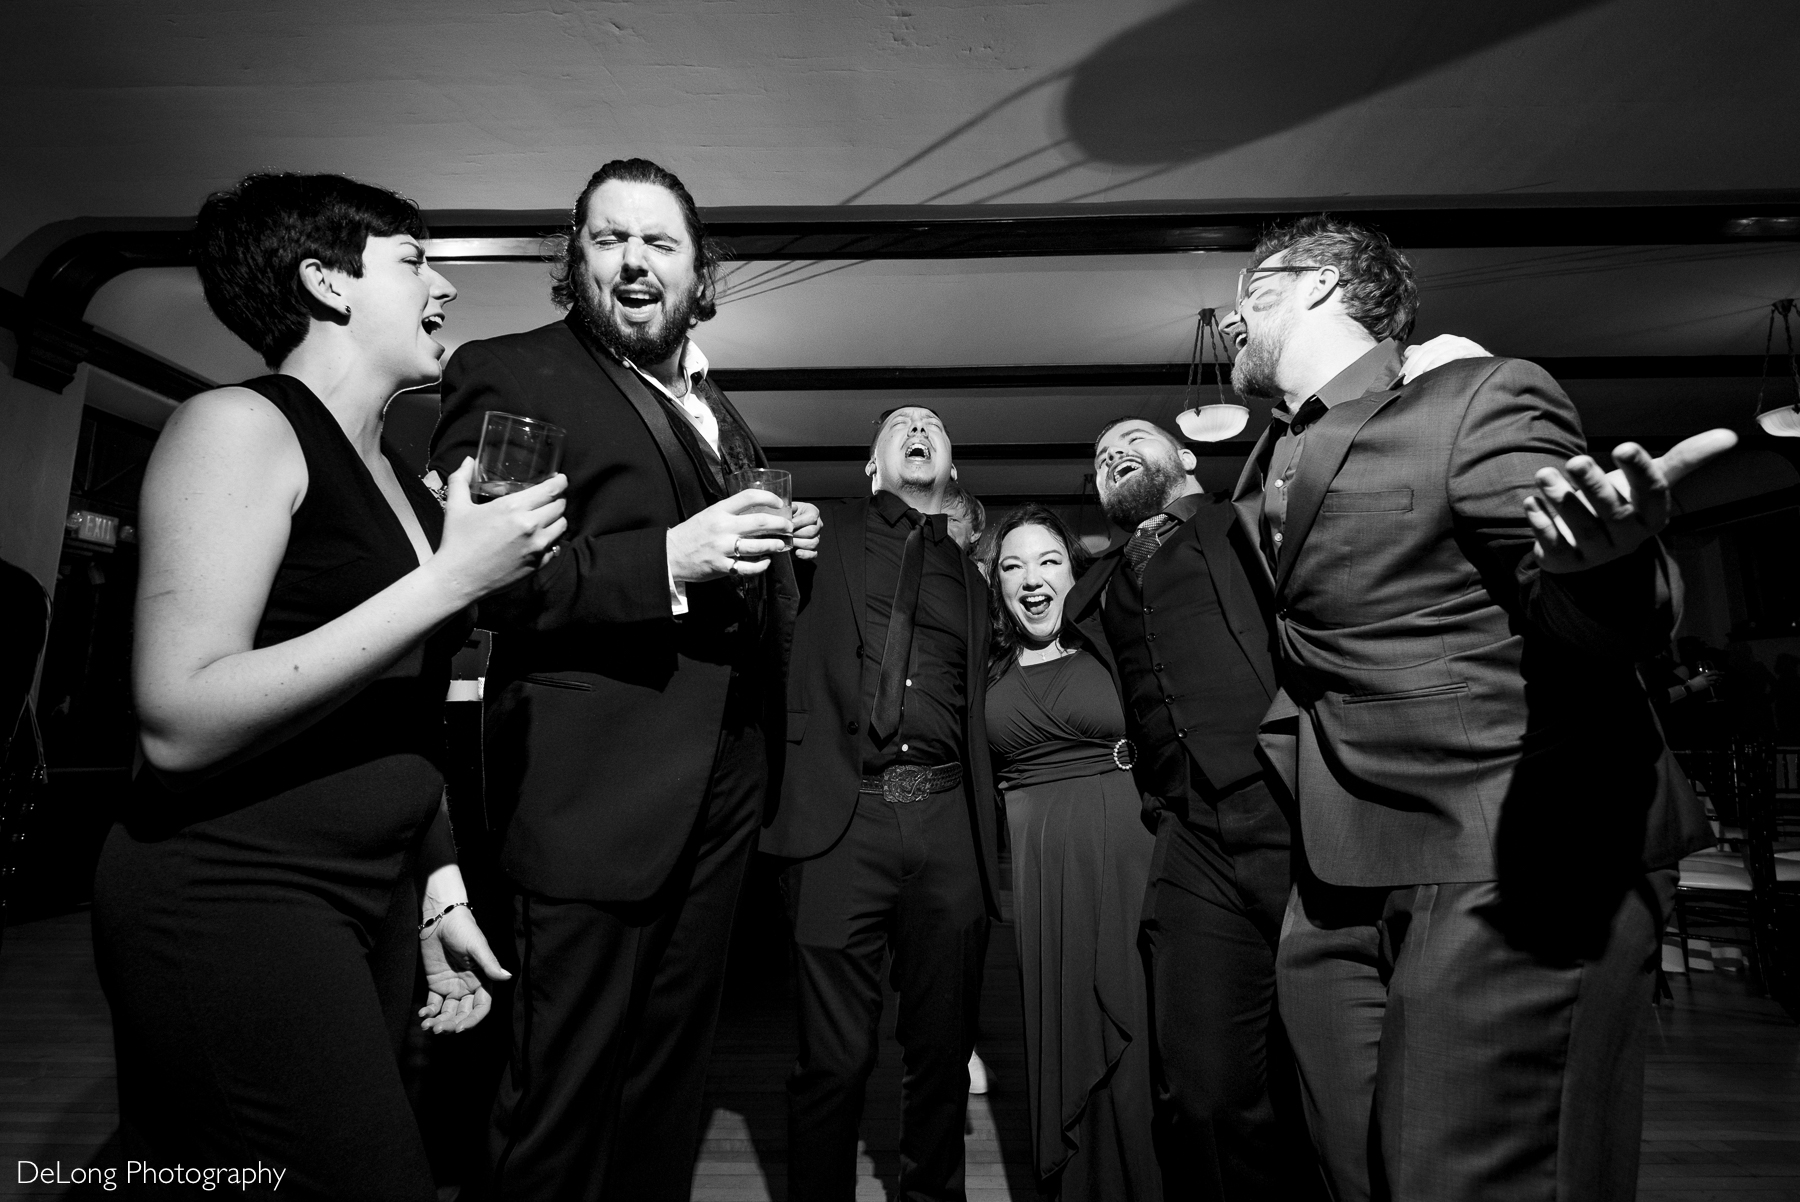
1081, 860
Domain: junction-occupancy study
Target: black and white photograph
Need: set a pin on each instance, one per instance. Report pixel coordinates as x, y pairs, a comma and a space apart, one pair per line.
900, 600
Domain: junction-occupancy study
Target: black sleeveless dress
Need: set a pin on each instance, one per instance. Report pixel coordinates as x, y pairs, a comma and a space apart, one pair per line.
255, 928
1081, 862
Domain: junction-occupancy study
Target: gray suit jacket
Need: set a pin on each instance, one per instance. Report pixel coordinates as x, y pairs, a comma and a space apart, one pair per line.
1449, 712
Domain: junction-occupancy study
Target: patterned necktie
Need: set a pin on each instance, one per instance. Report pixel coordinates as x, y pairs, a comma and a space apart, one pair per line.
1144, 543
896, 651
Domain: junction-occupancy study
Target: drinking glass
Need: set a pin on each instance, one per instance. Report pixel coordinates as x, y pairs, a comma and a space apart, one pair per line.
515, 452
769, 480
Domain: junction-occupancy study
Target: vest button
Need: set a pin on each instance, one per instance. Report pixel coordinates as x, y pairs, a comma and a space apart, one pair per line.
1182, 733
1149, 609
1151, 637
1156, 668
852, 726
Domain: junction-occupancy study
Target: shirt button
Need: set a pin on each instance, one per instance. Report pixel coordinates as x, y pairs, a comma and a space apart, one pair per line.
1278, 538
852, 726
1277, 484
909, 684
905, 747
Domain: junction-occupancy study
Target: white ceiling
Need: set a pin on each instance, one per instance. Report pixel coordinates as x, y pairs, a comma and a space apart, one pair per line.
139, 109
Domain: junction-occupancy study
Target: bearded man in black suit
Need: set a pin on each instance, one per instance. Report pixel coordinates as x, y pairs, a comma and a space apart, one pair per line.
634, 700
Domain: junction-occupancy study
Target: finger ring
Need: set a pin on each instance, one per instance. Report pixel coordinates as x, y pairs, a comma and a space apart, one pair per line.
735, 553
553, 552
731, 568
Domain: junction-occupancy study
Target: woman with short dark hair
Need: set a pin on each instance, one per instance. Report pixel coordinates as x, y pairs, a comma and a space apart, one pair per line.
1080, 863
257, 906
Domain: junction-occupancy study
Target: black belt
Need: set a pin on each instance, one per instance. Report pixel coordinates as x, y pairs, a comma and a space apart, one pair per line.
902, 784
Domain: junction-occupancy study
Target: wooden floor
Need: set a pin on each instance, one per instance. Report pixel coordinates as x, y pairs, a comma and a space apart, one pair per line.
1722, 1113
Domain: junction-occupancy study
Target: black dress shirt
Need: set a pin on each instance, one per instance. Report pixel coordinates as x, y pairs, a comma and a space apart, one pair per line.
1377, 369
931, 722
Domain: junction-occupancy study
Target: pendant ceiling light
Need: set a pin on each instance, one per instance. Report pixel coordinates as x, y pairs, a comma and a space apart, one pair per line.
1781, 420
1214, 419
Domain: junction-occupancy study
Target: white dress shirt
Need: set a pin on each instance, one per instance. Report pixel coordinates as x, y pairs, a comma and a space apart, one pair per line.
693, 363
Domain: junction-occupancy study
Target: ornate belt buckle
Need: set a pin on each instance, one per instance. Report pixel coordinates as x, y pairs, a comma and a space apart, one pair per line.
904, 784
1124, 754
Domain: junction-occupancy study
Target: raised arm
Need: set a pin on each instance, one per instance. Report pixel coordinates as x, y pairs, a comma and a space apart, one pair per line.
218, 500
1518, 424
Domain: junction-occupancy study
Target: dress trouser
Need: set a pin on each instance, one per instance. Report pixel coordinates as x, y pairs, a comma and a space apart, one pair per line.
1229, 1121
1445, 1053
614, 1011
903, 879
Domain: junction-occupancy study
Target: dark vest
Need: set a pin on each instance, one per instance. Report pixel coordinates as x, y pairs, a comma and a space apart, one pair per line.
1185, 679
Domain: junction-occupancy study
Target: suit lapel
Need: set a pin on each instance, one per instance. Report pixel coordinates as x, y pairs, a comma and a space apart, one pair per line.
683, 471
1242, 616
1247, 501
850, 557
1327, 443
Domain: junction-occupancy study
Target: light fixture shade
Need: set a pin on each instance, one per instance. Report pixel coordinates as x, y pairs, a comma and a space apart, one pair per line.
1782, 423
1215, 423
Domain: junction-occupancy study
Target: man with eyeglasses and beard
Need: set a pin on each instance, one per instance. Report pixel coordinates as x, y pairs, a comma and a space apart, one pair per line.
634, 700
1175, 601
1489, 819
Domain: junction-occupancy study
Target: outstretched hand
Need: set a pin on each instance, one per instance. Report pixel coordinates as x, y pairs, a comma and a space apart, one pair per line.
1582, 517
455, 997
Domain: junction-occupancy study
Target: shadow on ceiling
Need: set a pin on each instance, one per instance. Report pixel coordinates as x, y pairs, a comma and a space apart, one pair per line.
1212, 75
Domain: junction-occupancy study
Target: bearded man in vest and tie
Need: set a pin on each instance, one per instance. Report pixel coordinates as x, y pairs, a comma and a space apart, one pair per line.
887, 810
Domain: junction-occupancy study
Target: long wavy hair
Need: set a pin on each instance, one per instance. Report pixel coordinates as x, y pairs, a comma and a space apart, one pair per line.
1008, 636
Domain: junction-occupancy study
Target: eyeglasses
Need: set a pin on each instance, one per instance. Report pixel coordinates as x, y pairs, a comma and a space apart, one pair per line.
1245, 275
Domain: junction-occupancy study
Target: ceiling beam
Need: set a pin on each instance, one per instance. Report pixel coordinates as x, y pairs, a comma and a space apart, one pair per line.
67, 278
1147, 375
991, 452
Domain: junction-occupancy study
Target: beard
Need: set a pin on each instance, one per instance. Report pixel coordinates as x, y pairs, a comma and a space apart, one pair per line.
1253, 374
636, 344
1144, 493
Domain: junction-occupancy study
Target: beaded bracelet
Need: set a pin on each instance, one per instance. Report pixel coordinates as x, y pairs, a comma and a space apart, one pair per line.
443, 914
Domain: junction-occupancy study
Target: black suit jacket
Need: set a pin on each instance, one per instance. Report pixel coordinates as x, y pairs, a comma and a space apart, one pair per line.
603, 709
1220, 736
1450, 712
825, 714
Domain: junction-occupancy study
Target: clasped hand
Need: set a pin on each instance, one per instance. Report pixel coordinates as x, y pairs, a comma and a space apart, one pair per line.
726, 538
1603, 516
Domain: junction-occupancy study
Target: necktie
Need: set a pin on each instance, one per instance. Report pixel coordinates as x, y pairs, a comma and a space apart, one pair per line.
1144, 543
896, 652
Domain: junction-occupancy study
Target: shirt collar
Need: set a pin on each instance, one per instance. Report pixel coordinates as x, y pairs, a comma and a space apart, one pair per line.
1374, 370
694, 364
893, 510
1185, 506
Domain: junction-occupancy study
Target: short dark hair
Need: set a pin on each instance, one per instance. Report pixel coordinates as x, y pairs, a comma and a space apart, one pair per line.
709, 253
881, 420
1167, 433
1375, 278
250, 240
1003, 645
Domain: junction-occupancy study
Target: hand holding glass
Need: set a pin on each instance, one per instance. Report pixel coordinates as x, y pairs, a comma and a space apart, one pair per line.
769, 480
515, 453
